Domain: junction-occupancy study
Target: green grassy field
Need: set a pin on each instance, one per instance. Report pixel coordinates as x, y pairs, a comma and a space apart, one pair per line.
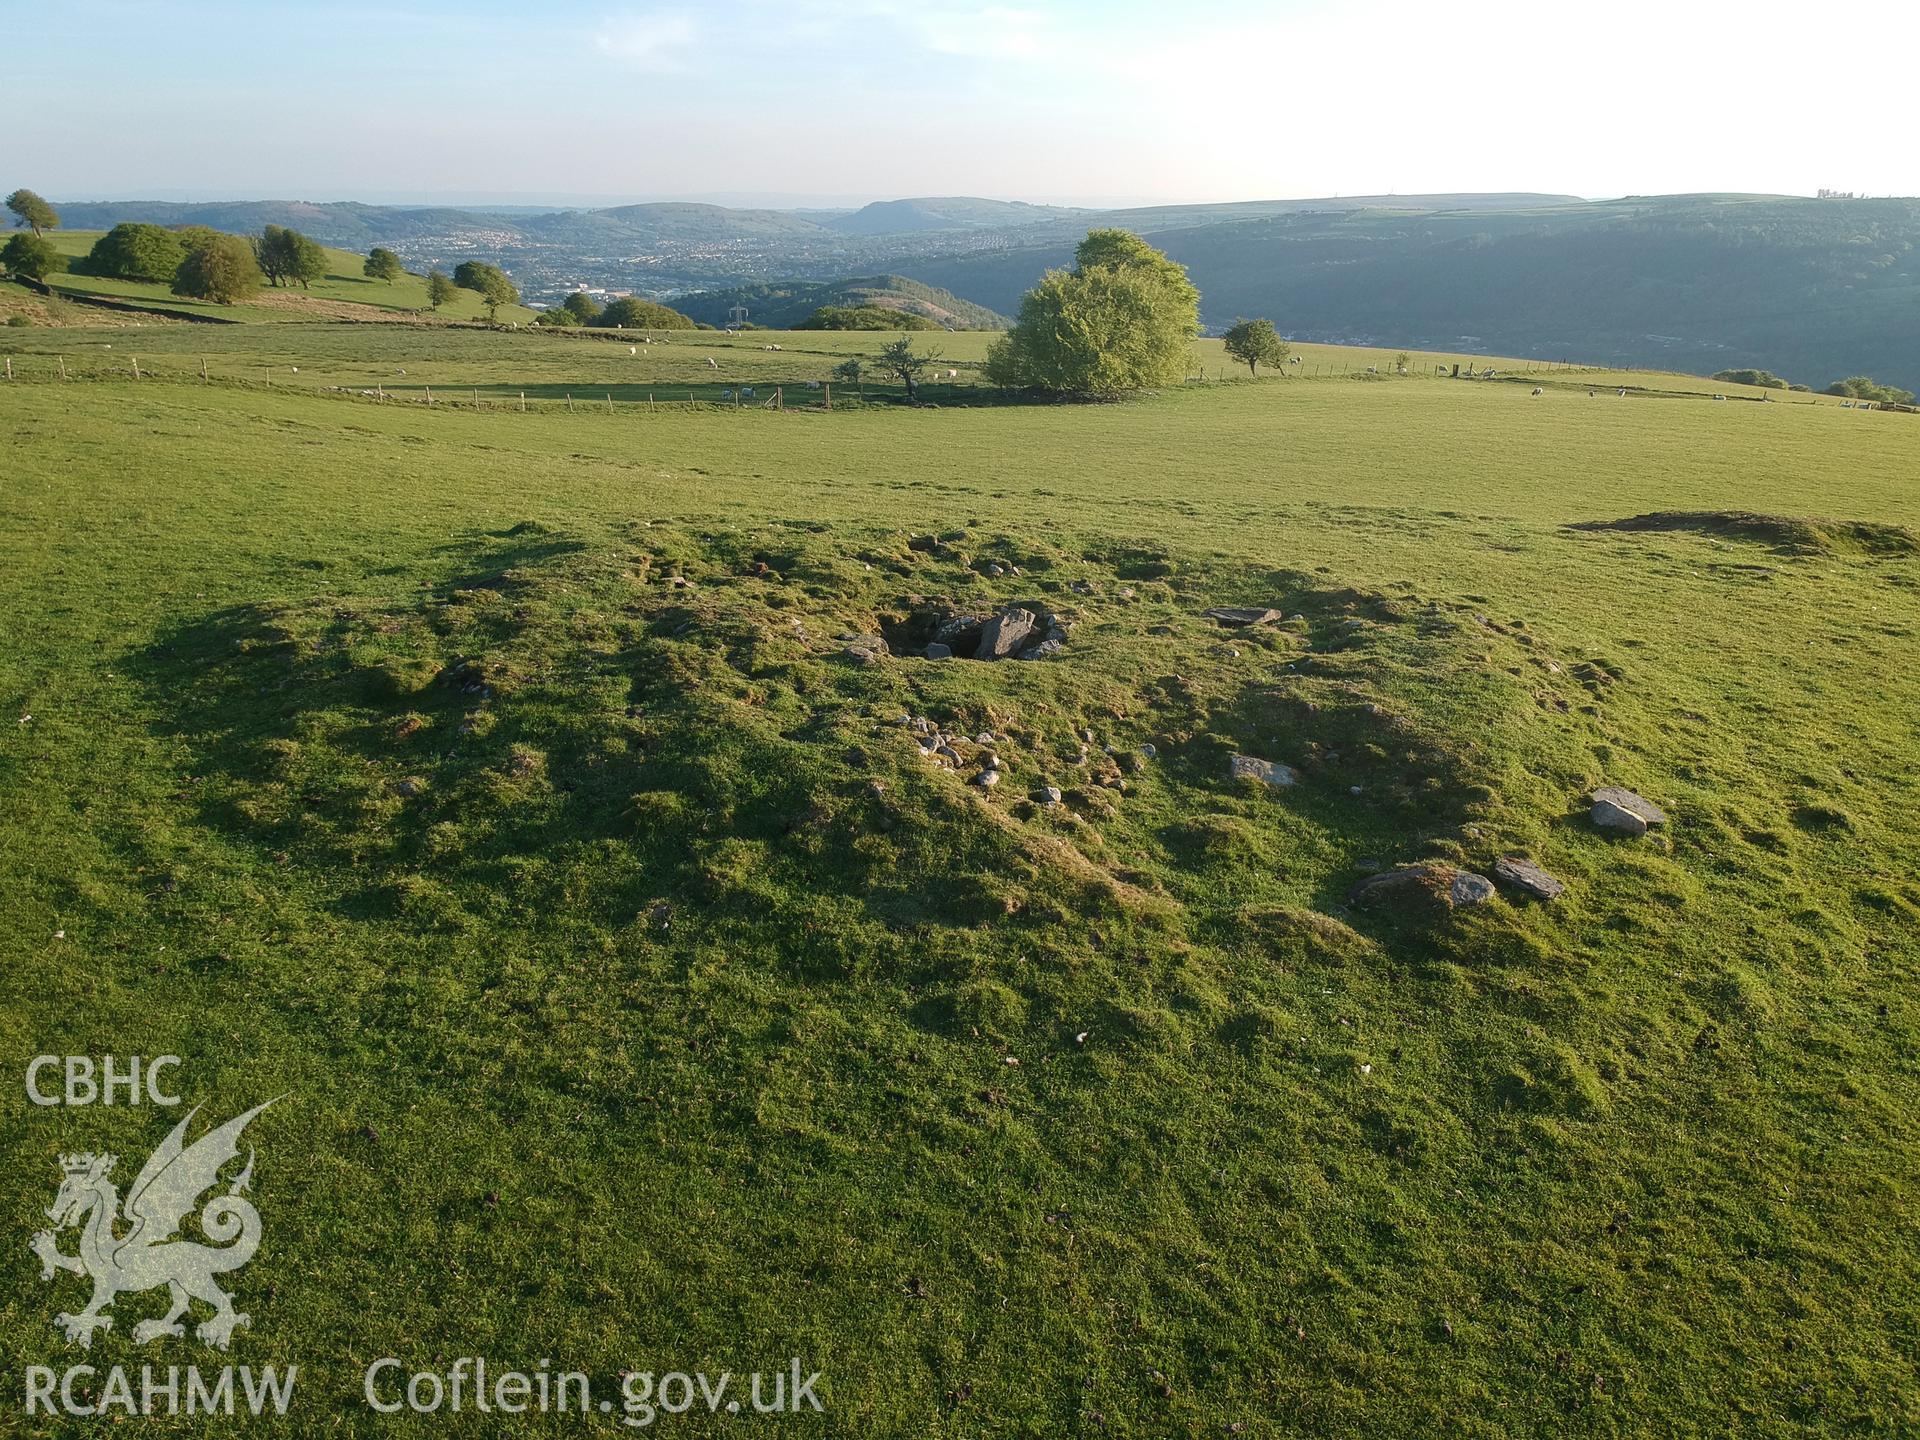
647, 1001
344, 283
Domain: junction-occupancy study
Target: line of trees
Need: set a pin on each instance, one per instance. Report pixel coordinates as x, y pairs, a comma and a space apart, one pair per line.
286, 256
629, 312
864, 317
1865, 387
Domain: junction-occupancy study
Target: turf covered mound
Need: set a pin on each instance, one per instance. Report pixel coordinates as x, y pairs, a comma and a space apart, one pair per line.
715, 729
1785, 534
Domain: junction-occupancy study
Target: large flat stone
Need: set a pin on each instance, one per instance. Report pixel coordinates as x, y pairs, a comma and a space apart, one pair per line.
1238, 616
1006, 633
1609, 816
1246, 767
1633, 804
1517, 872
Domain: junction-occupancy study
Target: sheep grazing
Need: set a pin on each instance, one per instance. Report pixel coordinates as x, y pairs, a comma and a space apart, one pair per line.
813, 384
1538, 390
746, 392
712, 364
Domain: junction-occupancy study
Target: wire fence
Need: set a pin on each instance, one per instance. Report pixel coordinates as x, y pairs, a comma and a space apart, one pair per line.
805, 398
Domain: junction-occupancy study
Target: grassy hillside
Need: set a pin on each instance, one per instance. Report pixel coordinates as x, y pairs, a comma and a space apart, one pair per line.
344, 285
783, 303
527, 794
1813, 290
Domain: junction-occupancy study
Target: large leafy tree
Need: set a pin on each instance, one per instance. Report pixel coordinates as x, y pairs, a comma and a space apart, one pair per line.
439, 288
1255, 343
630, 312
582, 307
221, 269
285, 255
32, 211
383, 264
1122, 319
490, 282
138, 252
31, 257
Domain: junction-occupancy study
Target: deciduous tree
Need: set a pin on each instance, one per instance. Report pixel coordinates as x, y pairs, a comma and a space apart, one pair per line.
31, 257
383, 264
1122, 319
287, 255
222, 269
138, 252
1255, 343
899, 358
32, 211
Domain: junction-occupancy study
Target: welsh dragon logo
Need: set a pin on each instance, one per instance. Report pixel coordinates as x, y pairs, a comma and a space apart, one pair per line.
150, 1253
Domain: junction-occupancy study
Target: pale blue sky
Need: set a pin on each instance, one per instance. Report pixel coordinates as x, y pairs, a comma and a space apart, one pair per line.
843, 100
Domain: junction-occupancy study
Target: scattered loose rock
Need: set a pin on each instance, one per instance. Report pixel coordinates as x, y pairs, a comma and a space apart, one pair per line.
1246, 767
1432, 886
1517, 872
1238, 616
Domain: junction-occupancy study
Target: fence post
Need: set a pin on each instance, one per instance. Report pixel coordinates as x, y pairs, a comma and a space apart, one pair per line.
779, 402
569, 402
649, 402
203, 369
9, 367
829, 394
609, 402
136, 365
523, 402
63, 367
429, 390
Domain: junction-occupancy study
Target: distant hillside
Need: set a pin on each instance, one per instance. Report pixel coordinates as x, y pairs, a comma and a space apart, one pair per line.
906, 217
347, 224
675, 219
783, 304
1811, 289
